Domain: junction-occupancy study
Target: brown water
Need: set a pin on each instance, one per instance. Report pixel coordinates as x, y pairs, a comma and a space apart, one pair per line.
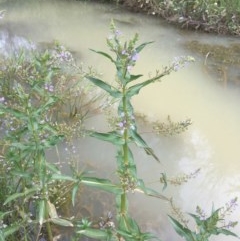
211, 143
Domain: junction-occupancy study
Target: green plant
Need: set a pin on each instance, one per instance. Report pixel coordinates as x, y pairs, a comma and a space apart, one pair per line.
126, 133
34, 89
206, 226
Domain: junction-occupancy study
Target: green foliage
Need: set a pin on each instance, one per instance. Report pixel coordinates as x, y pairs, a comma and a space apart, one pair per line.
34, 89
205, 227
221, 16
37, 96
126, 133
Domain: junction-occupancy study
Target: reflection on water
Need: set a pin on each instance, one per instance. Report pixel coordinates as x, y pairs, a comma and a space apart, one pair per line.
212, 142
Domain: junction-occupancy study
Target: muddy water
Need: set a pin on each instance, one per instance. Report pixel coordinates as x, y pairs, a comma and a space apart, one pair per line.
211, 143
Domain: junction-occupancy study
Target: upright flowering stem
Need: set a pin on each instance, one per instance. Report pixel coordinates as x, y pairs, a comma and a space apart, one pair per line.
125, 134
125, 56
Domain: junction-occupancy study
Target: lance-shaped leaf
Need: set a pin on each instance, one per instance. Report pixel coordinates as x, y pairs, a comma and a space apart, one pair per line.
123, 224
107, 87
103, 184
181, 230
45, 107
41, 211
62, 222
57, 176
22, 194
113, 137
104, 54
163, 179
134, 90
225, 232
16, 113
9, 230
128, 108
74, 192
134, 77
141, 143
143, 45
2, 235
94, 233
53, 168
148, 191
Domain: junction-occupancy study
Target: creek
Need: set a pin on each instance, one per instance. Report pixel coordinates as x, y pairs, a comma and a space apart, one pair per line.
208, 95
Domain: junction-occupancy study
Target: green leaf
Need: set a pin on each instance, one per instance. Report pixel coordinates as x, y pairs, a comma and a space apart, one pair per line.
46, 106
62, 222
163, 179
22, 194
225, 232
62, 177
2, 235
148, 191
8, 231
53, 168
108, 88
103, 184
141, 46
74, 193
2, 214
133, 225
141, 143
18, 114
104, 54
94, 233
21, 173
128, 108
181, 230
113, 137
52, 210
134, 77
123, 225
51, 141
125, 234
41, 211
134, 90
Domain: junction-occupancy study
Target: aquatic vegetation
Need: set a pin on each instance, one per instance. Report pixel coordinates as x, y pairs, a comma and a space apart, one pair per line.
124, 135
206, 226
37, 102
211, 16
44, 99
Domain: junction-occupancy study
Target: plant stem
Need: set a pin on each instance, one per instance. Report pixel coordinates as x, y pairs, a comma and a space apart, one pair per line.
124, 203
48, 226
125, 134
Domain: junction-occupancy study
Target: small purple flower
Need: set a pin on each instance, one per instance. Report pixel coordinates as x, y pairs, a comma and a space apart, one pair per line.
121, 124
117, 32
2, 99
135, 57
124, 52
233, 203
48, 87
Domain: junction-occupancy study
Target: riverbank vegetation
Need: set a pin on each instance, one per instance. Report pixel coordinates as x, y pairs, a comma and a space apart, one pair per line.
45, 99
215, 16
